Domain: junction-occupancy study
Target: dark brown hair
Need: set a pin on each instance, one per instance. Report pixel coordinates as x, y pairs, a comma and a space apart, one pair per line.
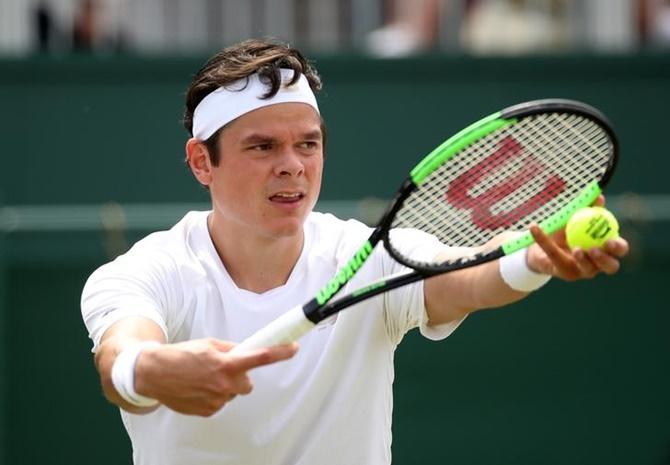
263, 56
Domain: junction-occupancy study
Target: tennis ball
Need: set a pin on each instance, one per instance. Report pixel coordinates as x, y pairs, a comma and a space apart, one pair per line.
591, 227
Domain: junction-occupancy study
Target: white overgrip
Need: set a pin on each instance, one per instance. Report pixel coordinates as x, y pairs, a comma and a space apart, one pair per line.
289, 327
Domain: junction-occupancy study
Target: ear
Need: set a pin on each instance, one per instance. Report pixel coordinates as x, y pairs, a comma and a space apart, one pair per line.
198, 160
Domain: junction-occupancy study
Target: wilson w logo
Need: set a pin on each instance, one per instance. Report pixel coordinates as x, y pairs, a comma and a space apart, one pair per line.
344, 274
509, 148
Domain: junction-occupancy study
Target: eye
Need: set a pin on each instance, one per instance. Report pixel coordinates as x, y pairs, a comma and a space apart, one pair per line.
309, 144
261, 147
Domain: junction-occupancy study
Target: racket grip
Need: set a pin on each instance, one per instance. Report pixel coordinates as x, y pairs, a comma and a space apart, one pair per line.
289, 327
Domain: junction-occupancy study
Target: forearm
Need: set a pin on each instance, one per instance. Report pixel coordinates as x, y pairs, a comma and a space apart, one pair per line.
452, 296
118, 337
196, 377
496, 291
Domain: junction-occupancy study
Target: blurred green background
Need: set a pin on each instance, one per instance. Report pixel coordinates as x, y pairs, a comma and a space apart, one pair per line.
93, 160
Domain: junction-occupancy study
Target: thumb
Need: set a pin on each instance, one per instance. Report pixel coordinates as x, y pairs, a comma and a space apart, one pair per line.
600, 201
222, 346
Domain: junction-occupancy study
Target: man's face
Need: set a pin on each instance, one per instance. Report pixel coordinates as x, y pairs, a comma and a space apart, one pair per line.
269, 173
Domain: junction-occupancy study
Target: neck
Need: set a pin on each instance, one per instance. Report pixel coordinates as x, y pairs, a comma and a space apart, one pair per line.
255, 263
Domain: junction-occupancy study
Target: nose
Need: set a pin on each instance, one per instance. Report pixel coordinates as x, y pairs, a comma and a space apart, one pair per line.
289, 163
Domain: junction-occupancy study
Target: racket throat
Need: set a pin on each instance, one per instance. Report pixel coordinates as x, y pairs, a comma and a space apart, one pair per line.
314, 311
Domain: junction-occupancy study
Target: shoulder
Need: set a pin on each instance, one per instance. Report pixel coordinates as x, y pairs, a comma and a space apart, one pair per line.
328, 224
161, 253
176, 241
175, 238
154, 279
330, 234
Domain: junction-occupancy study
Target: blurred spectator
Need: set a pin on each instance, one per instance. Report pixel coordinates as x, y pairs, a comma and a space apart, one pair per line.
413, 27
660, 24
84, 28
509, 27
478, 26
43, 28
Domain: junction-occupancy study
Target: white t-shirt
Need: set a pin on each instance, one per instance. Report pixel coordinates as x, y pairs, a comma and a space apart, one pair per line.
330, 404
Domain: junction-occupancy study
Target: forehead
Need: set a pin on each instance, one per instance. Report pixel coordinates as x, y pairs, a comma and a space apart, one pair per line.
280, 117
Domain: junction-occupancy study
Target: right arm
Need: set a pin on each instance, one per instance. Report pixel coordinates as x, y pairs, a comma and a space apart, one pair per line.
126, 302
195, 377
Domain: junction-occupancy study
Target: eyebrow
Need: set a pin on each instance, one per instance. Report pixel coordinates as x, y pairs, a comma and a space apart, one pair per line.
316, 134
257, 139
264, 139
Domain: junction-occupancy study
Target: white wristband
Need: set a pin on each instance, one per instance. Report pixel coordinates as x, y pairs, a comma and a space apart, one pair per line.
515, 272
123, 374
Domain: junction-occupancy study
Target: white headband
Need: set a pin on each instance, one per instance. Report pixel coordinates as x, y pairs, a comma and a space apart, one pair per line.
227, 103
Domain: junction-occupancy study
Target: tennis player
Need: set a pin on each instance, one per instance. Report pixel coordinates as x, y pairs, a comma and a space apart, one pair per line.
164, 316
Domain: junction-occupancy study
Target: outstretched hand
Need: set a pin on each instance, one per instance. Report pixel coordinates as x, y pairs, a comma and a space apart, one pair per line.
199, 377
551, 255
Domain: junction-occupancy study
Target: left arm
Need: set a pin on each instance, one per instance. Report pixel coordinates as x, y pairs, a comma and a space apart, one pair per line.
451, 296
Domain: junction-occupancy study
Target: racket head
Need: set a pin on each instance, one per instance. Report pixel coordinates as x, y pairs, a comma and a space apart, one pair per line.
535, 162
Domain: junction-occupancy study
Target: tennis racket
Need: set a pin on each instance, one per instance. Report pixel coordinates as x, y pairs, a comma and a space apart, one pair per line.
536, 162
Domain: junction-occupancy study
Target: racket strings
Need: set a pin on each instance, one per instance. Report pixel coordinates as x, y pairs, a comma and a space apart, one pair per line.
507, 180
549, 142
581, 136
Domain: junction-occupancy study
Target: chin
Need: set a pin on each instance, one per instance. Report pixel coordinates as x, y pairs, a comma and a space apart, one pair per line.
288, 230
284, 224
288, 227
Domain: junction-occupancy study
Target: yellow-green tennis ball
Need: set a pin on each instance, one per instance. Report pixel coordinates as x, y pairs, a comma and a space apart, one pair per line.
591, 227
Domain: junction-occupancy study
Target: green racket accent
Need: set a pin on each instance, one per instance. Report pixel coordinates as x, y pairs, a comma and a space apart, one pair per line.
366, 289
456, 143
344, 274
557, 220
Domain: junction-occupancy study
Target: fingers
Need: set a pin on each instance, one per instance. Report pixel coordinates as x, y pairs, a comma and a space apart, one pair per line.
223, 346
264, 356
557, 259
588, 268
233, 373
236, 366
603, 261
255, 358
205, 406
599, 202
606, 259
201, 376
618, 247
233, 378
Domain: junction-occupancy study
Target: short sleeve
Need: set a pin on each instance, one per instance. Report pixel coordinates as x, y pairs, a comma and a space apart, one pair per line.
126, 287
404, 308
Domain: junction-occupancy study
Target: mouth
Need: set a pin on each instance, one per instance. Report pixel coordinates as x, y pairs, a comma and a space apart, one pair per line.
287, 197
